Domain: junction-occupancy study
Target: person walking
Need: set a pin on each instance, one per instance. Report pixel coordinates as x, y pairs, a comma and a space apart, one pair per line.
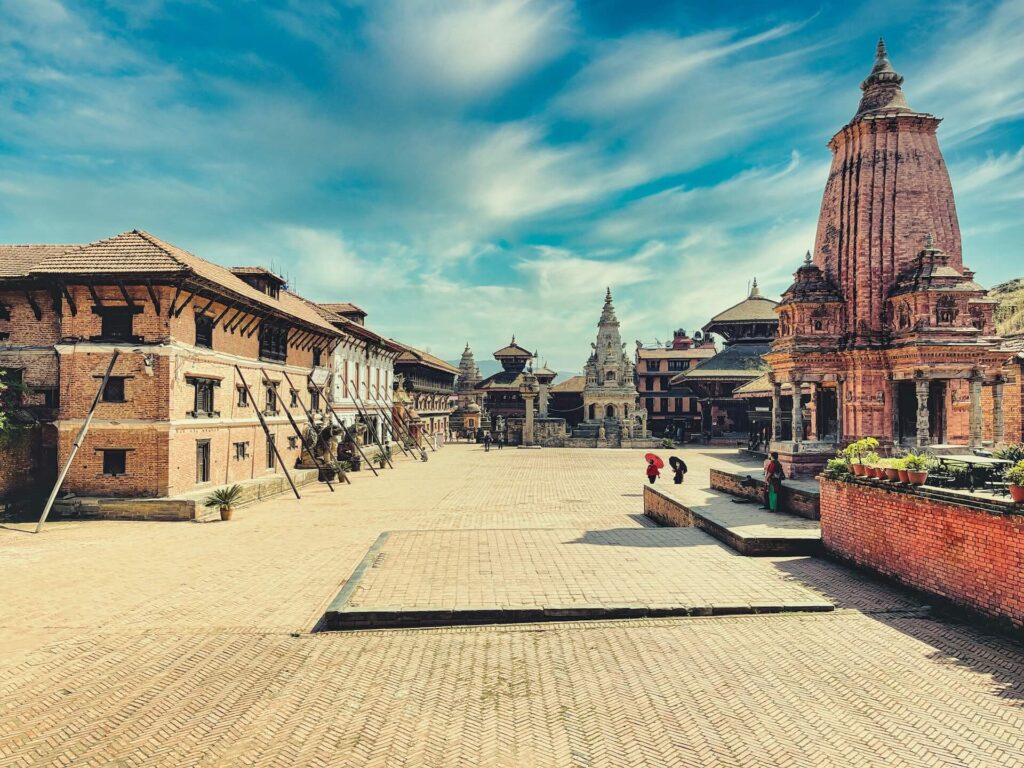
652, 471
501, 441
679, 469
487, 442
773, 477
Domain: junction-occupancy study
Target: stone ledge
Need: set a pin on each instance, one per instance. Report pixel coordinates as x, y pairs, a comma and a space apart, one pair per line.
797, 501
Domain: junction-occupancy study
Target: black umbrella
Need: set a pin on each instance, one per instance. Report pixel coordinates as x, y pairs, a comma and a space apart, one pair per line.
676, 463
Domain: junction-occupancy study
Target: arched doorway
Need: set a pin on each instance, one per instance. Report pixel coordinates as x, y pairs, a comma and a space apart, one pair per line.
609, 412
592, 412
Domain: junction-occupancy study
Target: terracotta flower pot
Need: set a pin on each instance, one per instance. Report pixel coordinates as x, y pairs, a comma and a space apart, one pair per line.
917, 478
226, 513
1017, 493
858, 469
903, 476
891, 473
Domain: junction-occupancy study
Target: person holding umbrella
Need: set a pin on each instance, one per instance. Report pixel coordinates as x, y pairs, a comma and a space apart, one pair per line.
678, 469
654, 463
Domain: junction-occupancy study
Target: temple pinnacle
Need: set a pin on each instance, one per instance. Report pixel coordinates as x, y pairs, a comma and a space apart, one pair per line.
807, 258
882, 92
754, 290
880, 52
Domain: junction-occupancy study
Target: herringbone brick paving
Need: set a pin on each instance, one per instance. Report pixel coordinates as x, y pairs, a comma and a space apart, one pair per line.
172, 645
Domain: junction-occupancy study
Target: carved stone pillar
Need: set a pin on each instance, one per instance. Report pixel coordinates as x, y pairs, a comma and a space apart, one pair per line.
923, 432
998, 422
528, 422
814, 408
776, 411
542, 400
975, 413
840, 393
798, 416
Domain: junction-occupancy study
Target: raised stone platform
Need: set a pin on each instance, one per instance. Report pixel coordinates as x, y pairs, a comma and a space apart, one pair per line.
798, 497
432, 578
745, 527
186, 507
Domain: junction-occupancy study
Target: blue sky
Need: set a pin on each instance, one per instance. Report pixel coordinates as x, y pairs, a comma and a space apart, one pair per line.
465, 169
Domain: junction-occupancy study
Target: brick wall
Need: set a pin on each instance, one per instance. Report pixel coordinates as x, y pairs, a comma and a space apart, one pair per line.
665, 511
970, 557
17, 464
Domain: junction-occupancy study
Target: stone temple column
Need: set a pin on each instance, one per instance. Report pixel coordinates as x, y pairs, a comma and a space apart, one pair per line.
998, 422
798, 416
923, 432
975, 414
776, 411
839, 408
815, 407
542, 400
528, 397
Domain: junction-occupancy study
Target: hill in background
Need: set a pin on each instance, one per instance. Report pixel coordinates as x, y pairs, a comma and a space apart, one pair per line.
1009, 314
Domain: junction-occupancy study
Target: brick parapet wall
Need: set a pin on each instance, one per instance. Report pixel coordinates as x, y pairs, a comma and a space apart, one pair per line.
970, 557
796, 501
666, 511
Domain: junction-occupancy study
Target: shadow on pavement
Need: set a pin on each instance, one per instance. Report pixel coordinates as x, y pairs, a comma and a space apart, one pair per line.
652, 536
955, 640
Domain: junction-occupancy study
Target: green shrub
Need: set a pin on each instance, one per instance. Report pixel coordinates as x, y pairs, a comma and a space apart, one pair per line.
1015, 475
666, 443
1014, 453
837, 467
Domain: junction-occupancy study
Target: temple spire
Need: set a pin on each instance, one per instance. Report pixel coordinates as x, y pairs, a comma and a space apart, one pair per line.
608, 313
882, 92
754, 290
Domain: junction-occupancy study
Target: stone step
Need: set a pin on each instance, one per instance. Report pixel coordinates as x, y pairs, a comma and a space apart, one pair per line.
742, 526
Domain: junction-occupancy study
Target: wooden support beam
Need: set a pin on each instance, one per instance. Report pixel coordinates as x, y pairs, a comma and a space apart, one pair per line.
230, 320
266, 431
307, 441
36, 309
174, 301
203, 310
70, 300
124, 292
185, 303
153, 297
220, 317
255, 327
248, 323
95, 296
55, 302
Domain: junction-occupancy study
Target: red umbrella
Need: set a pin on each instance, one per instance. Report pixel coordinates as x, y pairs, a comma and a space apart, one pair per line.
656, 459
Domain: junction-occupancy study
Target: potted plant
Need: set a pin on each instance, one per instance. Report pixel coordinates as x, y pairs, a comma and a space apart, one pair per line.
917, 468
380, 458
342, 468
836, 468
891, 470
1015, 479
901, 469
225, 498
871, 468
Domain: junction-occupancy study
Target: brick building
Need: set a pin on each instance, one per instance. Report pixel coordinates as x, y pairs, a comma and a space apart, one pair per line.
428, 386
672, 409
883, 329
468, 415
362, 374
176, 413
502, 397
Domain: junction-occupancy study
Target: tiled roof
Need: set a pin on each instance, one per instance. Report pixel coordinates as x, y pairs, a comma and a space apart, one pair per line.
413, 355
19, 260
513, 350
262, 271
345, 307
751, 308
737, 361
140, 253
572, 384
354, 329
676, 354
502, 381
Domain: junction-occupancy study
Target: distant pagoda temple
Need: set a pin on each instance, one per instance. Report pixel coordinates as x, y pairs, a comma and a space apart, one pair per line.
884, 332
747, 329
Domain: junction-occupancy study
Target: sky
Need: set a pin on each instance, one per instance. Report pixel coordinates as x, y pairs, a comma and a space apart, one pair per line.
469, 169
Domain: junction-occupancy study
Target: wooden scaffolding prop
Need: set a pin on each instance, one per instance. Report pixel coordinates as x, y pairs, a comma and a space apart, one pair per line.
266, 431
79, 439
344, 427
357, 401
298, 433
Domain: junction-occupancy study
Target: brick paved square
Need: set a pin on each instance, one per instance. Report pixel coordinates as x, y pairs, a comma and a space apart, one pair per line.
178, 644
